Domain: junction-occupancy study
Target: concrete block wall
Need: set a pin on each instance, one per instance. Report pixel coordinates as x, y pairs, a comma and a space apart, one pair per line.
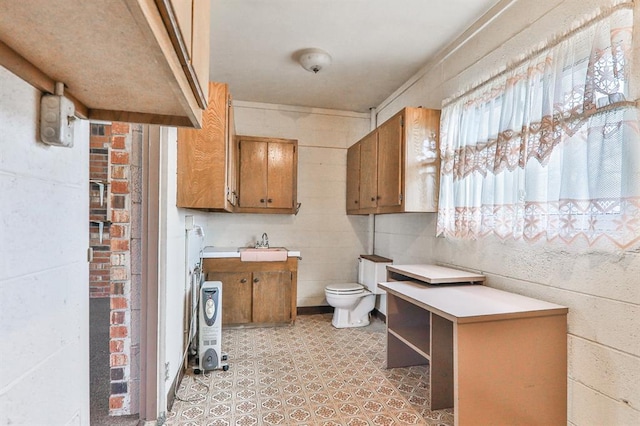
599, 285
44, 273
330, 241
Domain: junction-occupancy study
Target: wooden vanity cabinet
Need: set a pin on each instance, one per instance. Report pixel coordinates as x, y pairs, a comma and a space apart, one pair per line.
395, 168
267, 175
255, 293
206, 171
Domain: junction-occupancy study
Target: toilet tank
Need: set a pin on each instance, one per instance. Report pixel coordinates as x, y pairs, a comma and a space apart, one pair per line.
372, 269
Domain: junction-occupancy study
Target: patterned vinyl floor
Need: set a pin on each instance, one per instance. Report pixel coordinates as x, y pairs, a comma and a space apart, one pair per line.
307, 374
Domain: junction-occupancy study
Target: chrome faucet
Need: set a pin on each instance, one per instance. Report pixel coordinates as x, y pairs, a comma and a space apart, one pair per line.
264, 243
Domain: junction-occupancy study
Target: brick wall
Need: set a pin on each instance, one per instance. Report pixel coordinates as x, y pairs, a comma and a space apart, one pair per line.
100, 267
112, 149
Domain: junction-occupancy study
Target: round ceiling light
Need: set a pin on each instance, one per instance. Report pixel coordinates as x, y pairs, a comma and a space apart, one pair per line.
314, 60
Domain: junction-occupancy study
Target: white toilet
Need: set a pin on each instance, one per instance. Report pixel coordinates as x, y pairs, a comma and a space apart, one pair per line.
352, 302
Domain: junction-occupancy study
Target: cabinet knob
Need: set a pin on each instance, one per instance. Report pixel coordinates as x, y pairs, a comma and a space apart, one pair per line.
244, 280
269, 200
255, 280
262, 200
373, 198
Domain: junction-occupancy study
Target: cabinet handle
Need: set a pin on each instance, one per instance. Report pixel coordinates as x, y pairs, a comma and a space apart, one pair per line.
244, 280
255, 280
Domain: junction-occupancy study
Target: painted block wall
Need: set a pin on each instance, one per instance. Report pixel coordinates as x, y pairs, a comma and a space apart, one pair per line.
172, 273
329, 240
600, 286
44, 273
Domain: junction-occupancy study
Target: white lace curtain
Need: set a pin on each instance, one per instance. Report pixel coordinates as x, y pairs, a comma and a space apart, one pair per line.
550, 148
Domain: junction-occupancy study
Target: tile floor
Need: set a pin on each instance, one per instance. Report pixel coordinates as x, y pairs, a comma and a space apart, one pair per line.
307, 374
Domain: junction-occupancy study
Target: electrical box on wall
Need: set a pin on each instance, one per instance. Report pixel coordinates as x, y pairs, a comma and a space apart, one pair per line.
57, 114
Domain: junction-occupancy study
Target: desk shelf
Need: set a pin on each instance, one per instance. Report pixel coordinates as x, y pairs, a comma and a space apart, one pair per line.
489, 352
410, 324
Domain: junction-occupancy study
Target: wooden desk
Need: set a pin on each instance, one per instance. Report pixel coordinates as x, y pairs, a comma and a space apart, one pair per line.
495, 357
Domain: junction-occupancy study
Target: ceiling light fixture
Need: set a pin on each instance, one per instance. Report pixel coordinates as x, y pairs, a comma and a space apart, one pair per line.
314, 60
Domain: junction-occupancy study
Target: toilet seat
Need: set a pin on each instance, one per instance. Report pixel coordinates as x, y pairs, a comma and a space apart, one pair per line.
345, 288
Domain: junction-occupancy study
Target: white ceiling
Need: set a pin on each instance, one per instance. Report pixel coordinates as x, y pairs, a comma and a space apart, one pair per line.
376, 46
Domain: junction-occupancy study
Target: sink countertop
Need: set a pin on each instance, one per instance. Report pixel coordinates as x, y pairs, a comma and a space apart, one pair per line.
221, 252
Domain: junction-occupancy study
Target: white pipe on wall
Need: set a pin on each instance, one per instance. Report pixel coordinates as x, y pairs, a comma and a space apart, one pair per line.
371, 243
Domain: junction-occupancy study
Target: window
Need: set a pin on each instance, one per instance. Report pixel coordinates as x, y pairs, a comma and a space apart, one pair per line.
550, 148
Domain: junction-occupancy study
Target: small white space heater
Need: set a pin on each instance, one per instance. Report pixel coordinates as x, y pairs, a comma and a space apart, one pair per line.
210, 356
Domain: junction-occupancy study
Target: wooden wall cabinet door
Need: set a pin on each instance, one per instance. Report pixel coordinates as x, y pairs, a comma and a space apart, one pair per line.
390, 144
204, 156
369, 172
193, 23
398, 165
267, 173
353, 179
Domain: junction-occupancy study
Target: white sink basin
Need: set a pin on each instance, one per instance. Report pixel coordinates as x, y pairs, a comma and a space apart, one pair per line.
275, 254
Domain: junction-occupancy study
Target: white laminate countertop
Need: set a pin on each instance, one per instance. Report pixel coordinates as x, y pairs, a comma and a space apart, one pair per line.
434, 274
471, 303
226, 252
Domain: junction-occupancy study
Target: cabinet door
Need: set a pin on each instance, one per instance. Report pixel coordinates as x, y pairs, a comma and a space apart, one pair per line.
236, 296
272, 297
280, 170
202, 156
253, 173
353, 178
390, 149
232, 163
368, 171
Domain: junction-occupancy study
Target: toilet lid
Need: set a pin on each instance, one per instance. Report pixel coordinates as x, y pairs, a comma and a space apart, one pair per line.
345, 288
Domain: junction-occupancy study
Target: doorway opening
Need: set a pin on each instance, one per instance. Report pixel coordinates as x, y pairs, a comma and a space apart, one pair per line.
115, 272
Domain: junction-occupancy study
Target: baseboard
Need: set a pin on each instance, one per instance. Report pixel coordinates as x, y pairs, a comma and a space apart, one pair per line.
314, 310
382, 317
171, 396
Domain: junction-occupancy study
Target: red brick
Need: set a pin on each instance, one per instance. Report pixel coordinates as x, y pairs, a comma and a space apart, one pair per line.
119, 245
116, 346
116, 402
120, 216
117, 231
119, 157
119, 128
117, 318
120, 187
119, 303
118, 142
119, 172
118, 331
118, 359
117, 288
119, 274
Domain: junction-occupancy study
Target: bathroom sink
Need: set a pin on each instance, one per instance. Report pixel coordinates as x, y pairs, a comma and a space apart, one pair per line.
263, 254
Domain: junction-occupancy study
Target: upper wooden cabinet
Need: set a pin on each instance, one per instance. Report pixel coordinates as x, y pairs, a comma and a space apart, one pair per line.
395, 168
267, 175
140, 61
206, 175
